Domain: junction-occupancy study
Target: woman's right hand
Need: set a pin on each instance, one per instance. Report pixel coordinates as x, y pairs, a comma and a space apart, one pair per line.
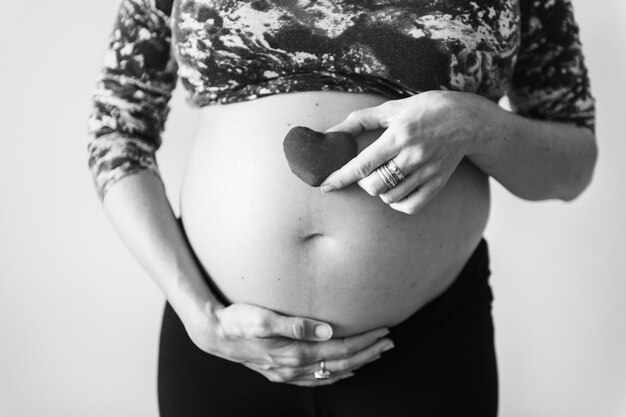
281, 348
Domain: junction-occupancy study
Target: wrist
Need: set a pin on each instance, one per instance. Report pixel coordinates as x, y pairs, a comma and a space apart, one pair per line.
487, 121
193, 301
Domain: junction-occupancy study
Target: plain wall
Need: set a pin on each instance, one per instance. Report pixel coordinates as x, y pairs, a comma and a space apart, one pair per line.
79, 319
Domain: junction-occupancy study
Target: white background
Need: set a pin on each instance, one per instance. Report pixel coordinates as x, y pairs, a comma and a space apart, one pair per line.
79, 319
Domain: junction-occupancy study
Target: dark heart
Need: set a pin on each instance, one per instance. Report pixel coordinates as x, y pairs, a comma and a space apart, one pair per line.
313, 155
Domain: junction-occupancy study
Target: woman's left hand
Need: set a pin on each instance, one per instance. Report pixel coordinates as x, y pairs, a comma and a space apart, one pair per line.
426, 136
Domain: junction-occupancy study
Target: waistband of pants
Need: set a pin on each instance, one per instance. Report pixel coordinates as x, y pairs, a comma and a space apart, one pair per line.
470, 291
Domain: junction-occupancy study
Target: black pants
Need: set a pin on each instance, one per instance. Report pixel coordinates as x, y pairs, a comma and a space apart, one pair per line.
444, 364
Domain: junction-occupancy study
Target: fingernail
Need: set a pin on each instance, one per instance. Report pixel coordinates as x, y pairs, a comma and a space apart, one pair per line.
326, 188
323, 332
389, 346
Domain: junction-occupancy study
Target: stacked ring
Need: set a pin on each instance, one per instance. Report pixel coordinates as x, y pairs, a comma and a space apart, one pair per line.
390, 174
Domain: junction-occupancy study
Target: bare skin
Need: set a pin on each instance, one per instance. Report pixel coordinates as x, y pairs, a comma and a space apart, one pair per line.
429, 133
283, 349
267, 238
533, 159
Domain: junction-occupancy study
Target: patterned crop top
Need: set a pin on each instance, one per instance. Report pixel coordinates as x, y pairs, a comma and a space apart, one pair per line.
227, 51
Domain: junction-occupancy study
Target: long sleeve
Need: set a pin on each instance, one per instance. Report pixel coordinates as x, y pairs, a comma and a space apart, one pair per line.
550, 80
130, 100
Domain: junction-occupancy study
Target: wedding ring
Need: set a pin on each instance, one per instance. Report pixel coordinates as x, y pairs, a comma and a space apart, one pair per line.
390, 174
322, 373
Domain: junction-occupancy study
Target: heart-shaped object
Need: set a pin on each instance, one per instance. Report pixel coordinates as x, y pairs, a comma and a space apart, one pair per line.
313, 155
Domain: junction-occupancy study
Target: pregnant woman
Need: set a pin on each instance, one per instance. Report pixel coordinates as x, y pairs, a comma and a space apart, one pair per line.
369, 295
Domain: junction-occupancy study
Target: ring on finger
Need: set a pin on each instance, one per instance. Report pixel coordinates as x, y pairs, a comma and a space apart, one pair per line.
416, 180
390, 174
322, 373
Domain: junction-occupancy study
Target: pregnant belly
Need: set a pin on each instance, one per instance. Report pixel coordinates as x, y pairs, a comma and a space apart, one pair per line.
267, 238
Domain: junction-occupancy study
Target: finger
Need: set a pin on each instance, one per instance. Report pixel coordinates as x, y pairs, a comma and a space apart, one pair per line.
250, 321
411, 183
346, 347
367, 355
415, 201
340, 367
308, 379
373, 184
359, 167
301, 355
370, 118
377, 182
298, 328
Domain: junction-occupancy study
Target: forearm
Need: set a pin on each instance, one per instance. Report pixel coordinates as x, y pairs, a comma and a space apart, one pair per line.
139, 211
533, 159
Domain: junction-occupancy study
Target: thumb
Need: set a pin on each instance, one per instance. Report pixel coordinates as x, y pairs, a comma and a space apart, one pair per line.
300, 328
363, 119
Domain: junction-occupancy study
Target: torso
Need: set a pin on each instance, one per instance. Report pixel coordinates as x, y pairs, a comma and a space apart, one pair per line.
267, 238
264, 236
